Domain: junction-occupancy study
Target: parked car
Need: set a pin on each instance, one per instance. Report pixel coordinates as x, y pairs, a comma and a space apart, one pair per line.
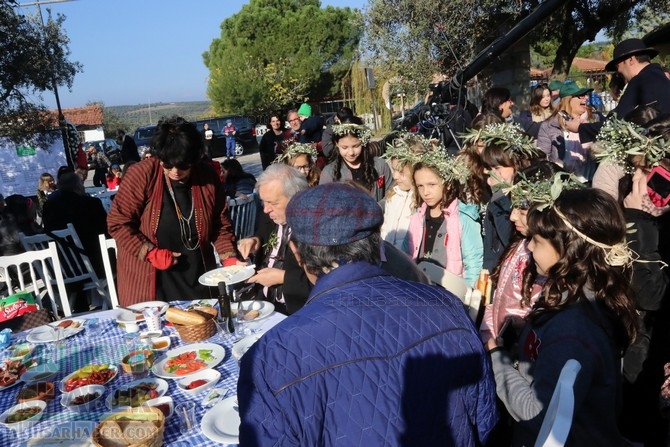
109, 147
143, 136
244, 139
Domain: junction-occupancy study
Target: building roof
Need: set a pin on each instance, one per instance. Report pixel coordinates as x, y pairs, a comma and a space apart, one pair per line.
589, 65
89, 116
582, 63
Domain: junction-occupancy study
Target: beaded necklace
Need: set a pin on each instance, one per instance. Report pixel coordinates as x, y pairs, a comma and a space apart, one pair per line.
185, 231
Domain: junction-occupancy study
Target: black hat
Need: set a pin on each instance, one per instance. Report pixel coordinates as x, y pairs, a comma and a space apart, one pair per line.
626, 49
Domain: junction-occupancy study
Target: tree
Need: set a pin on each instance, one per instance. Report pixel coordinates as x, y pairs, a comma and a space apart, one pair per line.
415, 38
34, 58
112, 121
274, 53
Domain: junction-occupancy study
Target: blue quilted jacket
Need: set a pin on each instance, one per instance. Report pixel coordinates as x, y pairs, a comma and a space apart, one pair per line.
371, 360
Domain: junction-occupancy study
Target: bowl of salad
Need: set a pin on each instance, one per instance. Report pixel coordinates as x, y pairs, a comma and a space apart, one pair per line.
23, 415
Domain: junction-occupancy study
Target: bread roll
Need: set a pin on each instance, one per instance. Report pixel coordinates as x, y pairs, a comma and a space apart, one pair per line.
138, 432
250, 315
65, 324
178, 316
111, 435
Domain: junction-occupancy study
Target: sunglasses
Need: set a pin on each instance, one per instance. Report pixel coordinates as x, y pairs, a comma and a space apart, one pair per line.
183, 166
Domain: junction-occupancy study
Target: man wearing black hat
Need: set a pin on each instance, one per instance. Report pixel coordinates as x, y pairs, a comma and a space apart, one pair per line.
646, 84
371, 359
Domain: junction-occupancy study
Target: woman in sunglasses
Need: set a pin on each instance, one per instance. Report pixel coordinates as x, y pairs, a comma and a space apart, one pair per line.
562, 146
168, 212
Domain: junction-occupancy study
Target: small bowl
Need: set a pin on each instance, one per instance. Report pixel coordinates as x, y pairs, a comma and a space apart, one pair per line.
211, 376
40, 373
67, 398
131, 363
37, 391
214, 396
26, 423
160, 344
164, 403
21, 352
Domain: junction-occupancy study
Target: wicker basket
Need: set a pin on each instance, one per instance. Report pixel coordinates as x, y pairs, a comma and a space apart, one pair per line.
133, 422
198, 332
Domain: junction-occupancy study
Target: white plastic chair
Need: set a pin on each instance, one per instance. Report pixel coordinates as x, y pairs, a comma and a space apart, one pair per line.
243, 215
105, 246
558, 418
75, 264
42, 276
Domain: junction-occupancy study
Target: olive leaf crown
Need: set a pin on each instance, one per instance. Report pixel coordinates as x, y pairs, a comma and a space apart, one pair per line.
296, 149
541, 192
509, 136
618, 139
449, 167
360, 131
404, 149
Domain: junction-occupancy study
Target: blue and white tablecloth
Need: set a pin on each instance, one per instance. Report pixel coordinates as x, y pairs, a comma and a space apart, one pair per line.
106, 345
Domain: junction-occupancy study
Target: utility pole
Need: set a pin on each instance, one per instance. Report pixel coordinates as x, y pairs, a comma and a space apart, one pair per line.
61, 118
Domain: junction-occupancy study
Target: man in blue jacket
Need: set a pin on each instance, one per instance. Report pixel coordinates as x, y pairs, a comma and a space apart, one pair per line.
370, 359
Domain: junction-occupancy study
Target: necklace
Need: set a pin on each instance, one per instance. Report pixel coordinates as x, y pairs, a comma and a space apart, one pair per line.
185, 231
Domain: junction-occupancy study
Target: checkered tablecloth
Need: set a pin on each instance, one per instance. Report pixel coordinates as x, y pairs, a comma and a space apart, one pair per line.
106, 345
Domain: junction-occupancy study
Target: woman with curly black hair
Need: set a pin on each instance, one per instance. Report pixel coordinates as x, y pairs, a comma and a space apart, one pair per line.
169, 211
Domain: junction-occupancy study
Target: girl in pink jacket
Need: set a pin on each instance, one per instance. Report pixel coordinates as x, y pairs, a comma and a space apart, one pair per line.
445, 229
532, 185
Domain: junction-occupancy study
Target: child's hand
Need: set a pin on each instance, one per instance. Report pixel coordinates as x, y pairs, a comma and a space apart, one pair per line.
634, 199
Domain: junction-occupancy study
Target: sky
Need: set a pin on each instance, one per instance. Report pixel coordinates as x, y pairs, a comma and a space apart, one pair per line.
142, 51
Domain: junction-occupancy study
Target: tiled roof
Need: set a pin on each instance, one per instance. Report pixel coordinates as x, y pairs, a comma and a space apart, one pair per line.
89, 116
589, 65
582, 63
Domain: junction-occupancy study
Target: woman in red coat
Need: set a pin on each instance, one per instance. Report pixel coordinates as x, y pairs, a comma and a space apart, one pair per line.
168, 212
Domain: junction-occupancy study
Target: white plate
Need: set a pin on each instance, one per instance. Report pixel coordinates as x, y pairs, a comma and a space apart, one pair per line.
222, 422
214, 396
161, 388
61, 386
43, 334
67, 434
218, 352
230, 275
212, 377
126, 316
35, 374
264, 308
242, 346
12, 385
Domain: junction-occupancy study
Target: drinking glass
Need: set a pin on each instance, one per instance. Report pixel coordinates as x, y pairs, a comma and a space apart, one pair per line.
186, 413
241, 328
222, 331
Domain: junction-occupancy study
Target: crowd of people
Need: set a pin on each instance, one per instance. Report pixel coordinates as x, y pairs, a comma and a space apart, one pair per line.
564, 207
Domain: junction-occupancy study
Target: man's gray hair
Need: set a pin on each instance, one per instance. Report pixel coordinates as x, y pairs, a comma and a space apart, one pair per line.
292, 180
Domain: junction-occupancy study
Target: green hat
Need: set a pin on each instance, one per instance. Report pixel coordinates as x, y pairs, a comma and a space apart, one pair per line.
305, 110
555, 85
573, 89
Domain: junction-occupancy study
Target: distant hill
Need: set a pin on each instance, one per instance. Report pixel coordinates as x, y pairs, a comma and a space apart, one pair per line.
143, 114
